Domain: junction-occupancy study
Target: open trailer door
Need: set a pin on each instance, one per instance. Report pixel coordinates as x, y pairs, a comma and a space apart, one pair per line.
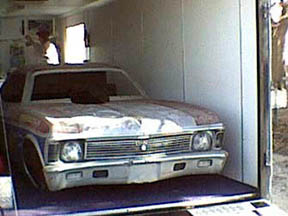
265, 86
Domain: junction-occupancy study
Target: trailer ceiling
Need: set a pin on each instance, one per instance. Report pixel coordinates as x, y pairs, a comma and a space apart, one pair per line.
45, 7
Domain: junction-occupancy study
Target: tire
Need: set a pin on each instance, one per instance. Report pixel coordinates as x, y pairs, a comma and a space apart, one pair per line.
13, 153
33, 166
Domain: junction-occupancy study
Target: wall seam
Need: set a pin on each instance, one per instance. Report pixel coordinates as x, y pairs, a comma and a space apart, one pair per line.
142, 35
112, 40
241, 91
183, 52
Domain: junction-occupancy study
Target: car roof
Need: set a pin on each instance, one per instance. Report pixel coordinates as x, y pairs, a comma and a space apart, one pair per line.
36, 68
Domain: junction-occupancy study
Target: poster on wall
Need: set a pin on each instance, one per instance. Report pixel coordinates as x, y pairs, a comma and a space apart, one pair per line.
35, 25
17, 54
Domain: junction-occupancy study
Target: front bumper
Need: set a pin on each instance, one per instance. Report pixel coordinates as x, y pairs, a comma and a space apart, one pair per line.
144, 170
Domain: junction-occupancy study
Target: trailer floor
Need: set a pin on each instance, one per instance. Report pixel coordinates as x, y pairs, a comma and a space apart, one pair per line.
190, 190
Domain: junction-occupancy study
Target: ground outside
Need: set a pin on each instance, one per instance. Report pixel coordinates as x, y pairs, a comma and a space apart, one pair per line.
280, 159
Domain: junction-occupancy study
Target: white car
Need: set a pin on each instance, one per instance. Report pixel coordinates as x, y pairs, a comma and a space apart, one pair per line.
91, 124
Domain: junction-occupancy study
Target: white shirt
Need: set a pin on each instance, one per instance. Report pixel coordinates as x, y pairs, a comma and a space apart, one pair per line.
52, 54
34, 54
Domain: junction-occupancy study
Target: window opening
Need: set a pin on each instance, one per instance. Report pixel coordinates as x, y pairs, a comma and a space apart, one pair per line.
75, 51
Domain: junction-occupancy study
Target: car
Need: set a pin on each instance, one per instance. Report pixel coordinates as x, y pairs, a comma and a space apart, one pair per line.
91, 124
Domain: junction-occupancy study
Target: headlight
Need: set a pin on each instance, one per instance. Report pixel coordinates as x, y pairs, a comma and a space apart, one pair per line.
72, 151
202, 141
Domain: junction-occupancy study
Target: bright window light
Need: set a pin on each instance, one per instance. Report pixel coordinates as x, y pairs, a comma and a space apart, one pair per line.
52, 54
75, 50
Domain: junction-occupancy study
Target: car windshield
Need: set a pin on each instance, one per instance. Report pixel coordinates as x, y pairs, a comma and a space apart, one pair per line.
83, 87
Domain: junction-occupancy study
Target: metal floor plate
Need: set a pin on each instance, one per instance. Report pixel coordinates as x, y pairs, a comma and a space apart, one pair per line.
249, 208
175, 193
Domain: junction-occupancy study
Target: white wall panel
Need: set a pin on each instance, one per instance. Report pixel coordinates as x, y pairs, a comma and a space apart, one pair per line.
212, 67
162, 71
100, 29
60, 36
128, 36
249, 93
11, 28
146, 43
5, 57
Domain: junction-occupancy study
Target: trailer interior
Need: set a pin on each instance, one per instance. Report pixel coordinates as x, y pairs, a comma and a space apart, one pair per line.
195, 51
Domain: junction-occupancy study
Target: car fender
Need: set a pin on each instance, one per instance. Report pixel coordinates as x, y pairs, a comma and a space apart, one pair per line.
35, 143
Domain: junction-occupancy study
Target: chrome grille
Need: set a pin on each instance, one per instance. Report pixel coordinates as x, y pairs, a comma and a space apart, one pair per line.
131, 148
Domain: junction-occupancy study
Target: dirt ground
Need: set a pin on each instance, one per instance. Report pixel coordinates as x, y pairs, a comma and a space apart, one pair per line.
280, 159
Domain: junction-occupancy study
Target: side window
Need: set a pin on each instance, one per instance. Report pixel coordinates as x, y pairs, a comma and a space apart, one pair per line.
12, 89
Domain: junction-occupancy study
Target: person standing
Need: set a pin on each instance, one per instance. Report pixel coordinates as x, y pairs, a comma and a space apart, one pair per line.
42, 51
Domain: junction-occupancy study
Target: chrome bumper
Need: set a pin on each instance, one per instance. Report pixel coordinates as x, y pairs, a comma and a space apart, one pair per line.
144, 170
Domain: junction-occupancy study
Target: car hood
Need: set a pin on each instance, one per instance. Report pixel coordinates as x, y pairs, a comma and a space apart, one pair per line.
124, 118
